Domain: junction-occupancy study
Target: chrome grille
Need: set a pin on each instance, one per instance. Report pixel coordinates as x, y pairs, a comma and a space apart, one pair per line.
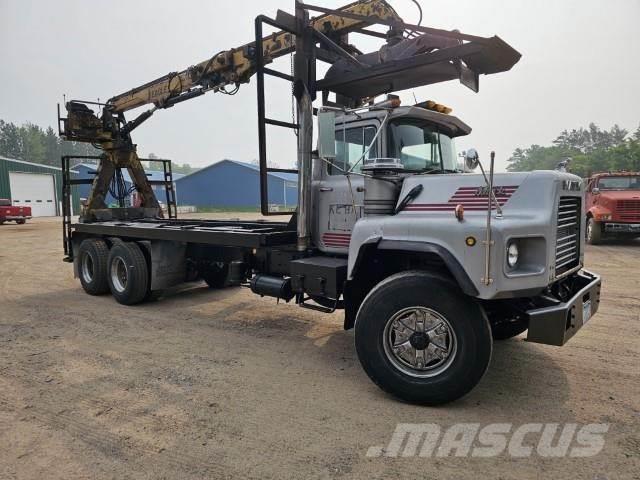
629, 210
568, 234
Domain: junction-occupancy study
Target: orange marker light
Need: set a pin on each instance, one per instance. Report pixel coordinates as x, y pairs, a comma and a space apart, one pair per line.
436, 107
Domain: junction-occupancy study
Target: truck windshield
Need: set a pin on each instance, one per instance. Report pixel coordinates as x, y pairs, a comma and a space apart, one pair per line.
619, 183
421, 147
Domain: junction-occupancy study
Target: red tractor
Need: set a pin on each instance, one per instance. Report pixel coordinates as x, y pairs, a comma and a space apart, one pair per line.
9, 213
613, 206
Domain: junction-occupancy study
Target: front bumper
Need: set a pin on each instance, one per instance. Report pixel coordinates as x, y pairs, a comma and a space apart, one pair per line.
622, 228
556, 324
11, 218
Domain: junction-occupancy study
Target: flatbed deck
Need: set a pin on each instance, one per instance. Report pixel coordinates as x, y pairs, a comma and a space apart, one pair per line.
233, 233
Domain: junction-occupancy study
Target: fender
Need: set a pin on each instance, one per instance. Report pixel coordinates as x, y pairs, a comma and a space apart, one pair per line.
458, 273
353, 295
597, 211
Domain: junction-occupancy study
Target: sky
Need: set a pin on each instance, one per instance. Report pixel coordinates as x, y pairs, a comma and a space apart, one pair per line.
579, 65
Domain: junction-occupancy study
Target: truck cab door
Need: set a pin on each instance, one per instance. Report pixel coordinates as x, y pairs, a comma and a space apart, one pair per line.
339, 199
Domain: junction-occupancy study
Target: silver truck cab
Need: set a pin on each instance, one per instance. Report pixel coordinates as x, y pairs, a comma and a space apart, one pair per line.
334, 195
513, 258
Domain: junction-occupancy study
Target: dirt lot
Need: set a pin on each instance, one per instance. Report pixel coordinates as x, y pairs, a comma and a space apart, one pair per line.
222, 384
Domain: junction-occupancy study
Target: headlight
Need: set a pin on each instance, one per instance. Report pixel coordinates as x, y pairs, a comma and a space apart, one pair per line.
512, 254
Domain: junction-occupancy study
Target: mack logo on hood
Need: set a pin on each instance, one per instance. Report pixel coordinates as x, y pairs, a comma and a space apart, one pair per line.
471, 198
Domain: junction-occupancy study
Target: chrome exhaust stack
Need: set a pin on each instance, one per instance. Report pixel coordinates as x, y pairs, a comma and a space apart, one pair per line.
305, 141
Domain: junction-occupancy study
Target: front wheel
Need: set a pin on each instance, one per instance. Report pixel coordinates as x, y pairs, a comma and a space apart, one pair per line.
421, 339
594, 232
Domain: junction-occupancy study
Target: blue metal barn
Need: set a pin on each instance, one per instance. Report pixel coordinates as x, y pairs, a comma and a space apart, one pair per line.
230, 183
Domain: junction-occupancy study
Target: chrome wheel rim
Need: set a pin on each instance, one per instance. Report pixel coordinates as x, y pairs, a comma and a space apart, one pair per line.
419, 342
119, 275
87, 268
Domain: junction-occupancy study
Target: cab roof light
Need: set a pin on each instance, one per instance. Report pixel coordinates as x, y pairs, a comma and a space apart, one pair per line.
392, 101
436, 107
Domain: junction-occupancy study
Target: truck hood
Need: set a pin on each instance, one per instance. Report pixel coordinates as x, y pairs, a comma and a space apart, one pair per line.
442, 193
619, 194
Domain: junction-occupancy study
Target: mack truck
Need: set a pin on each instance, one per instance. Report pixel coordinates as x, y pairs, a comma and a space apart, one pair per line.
429, 263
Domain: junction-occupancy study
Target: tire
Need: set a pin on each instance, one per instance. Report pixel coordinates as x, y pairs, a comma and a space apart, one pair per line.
594, 232
128, 273
506, 329
465, 334
216, 275
92, 266
21, 222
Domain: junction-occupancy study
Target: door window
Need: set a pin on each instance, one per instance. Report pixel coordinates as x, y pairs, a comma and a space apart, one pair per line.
351, 144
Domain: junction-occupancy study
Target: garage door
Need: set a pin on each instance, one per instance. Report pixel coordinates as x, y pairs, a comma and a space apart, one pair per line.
35, 190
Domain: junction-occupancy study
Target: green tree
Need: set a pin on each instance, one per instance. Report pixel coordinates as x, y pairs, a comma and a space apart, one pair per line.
33, 144
52, 147
591, 150
10, 140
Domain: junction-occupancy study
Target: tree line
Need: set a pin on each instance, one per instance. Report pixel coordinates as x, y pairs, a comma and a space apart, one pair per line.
590, 149
31, 143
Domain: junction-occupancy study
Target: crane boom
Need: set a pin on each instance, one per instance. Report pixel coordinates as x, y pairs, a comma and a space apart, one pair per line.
235, 66
412, 56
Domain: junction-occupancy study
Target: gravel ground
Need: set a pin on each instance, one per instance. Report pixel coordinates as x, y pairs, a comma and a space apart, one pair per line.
223, 384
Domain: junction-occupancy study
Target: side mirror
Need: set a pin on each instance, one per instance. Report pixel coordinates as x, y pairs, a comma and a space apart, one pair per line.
595, 191
471, 159
327, 134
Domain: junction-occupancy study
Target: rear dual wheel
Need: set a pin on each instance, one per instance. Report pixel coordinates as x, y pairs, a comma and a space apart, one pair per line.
127, 273
121, 270
92, 266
